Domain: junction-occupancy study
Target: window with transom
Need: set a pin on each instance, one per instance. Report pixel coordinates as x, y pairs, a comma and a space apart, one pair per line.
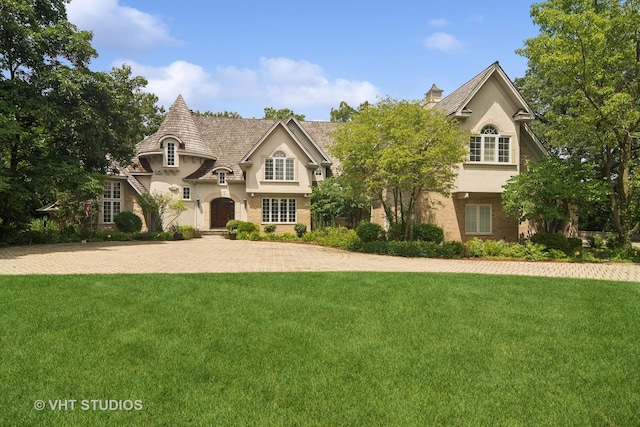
279, 167
111, 201
490, 146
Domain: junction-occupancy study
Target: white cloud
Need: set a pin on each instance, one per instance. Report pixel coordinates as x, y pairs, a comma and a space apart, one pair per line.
119, 27
438, 22
178, 78
444, 42
276, 82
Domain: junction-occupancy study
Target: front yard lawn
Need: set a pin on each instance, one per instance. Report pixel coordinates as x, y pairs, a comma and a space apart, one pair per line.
318, 349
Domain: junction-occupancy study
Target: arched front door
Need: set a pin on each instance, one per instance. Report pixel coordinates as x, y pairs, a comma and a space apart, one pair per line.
222, 210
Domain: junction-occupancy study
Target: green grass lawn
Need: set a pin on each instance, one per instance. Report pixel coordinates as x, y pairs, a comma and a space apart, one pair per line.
319, 349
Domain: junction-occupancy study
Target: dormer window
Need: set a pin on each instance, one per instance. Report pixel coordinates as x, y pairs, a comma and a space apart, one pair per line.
490, 146
222, 178
170, 153
279, 167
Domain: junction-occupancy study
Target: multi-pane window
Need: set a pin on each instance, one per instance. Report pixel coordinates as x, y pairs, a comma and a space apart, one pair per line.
318, 172
279, 210
477, 219
171, 153
111, 201
222, 178
279, 168
490, 147
186, 193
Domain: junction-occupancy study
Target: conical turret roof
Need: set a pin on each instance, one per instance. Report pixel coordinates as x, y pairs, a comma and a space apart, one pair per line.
179, 124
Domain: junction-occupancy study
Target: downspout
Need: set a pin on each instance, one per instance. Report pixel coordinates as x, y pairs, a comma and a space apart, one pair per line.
196, 204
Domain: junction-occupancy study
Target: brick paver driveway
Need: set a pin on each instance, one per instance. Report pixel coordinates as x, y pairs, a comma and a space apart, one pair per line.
214, 254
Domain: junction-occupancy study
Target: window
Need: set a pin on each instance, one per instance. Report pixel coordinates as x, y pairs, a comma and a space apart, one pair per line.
318, 172
186, 193
477, 219
171, 154
222, 178
279, 168
111, 201
279, 210
490, 147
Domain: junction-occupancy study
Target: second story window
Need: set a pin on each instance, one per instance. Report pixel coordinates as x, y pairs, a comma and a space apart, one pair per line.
490, 146
170, 155
279, 167
222, 178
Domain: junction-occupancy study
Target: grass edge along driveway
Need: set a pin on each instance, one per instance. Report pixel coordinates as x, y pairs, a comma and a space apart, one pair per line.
318, 349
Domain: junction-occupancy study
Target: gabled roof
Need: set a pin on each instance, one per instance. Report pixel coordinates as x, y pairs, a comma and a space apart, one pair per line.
179, 123
294, 138
455, 104
123, 172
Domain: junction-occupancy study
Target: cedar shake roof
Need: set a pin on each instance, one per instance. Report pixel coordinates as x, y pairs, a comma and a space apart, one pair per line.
222, 141
179, 123
457, 100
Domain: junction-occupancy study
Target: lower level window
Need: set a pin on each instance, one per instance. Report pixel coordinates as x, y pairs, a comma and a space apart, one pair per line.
279, 210
111, 201
477, 219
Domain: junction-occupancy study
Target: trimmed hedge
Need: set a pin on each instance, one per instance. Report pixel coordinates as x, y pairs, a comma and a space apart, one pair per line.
370, 232
552, 241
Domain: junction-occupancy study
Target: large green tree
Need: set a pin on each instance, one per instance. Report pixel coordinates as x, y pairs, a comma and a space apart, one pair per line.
60, 122
584, 79
394, 151
281, 114
552, 193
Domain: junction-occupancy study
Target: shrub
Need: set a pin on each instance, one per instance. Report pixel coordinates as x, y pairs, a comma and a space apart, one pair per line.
551, 241
494, 247
475, 248
596, 242
378, 247
405, 249
270, 228
574, 243
370, 232
339, 237
428, 233
613, 241
232, 224
189, 232
300, 229
428, 249
557, 254
128, 222
247, 227
515, 251
254, 235
395, 232
452, 249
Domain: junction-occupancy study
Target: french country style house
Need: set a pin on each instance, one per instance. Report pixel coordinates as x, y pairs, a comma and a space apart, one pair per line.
263, 171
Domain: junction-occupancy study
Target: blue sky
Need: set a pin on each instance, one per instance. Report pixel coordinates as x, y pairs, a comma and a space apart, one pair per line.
245, 56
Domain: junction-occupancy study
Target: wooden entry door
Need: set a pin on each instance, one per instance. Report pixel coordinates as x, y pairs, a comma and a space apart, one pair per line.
222, 210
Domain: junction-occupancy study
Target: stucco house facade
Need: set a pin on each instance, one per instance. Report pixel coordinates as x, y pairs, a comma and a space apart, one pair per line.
255, 170
263, 171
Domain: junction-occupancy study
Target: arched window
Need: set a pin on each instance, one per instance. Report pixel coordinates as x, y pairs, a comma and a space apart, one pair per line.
490, 146
279, 167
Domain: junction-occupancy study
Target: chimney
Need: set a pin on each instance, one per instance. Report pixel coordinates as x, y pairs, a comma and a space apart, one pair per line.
433, 96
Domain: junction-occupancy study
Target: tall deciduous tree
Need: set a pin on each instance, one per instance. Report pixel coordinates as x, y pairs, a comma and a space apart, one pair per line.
395, 151
584, 77
58, 119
